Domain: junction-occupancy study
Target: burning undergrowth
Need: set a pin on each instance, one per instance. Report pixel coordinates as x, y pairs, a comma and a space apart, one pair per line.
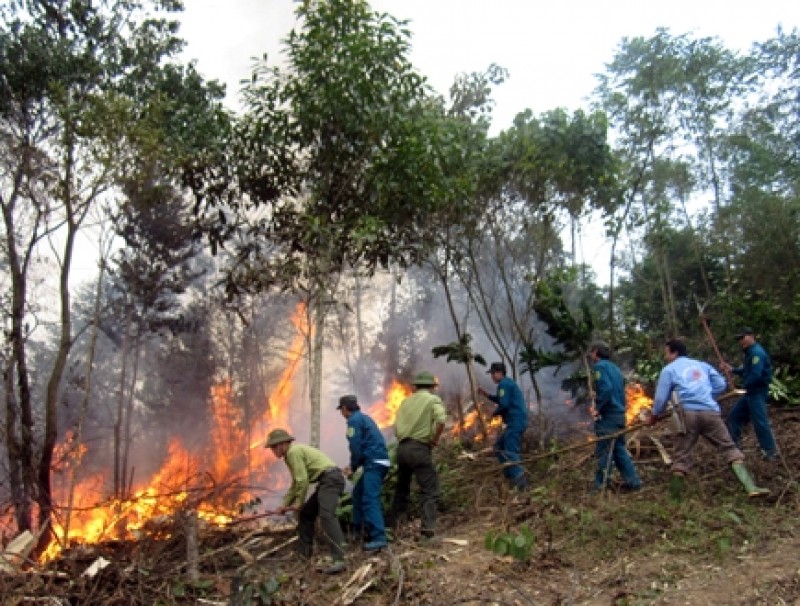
585, 548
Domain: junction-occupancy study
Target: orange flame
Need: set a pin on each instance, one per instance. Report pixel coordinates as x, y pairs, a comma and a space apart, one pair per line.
384, 413
471, 425
182, 482
635, 401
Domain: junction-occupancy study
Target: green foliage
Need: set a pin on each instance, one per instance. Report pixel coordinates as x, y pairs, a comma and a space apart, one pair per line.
459, 351
515, 544
560, 162
344, 150
571, 329
785, 387
256, 592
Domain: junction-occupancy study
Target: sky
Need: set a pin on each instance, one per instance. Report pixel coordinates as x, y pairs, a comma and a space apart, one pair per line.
552, 50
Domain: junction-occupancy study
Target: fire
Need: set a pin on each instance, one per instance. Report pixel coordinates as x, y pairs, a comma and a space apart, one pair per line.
384, 413
471, 424
636, 401
187, 480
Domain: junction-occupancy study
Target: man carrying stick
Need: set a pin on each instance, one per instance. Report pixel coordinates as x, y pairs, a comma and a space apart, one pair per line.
696, 383
608, 411
309, 465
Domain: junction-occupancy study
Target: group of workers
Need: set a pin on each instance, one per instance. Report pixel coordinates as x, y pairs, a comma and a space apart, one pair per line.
689, 389
419, 424
689, 386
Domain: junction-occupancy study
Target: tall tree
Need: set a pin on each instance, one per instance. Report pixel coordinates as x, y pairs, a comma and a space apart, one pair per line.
74, 78
337, 160
670, 100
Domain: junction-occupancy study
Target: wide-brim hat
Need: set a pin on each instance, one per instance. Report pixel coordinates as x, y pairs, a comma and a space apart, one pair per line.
278, 436
425, 379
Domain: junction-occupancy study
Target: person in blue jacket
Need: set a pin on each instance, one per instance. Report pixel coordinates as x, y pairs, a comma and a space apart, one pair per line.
368, 453
512, 408
692, 385
756, 373
608, 411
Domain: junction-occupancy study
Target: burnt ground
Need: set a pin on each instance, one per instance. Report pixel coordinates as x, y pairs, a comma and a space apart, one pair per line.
716, 546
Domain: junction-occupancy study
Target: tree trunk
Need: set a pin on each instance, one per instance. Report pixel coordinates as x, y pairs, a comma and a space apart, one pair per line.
392, 354
119, 474
473, 384
127, 438
317, 337
19, 415
45, 497
76, 464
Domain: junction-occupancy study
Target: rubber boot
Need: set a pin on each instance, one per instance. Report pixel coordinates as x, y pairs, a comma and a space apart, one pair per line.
753, 491
676, 488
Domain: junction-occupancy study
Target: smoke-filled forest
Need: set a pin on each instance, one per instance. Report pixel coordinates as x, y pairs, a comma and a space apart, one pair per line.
346, 229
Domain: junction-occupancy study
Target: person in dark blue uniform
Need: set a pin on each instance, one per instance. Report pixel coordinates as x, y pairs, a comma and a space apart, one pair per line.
756, 373
368, 453
512, 408
608, 411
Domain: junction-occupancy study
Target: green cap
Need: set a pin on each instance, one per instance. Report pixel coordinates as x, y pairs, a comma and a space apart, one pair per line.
425, 379
277, 436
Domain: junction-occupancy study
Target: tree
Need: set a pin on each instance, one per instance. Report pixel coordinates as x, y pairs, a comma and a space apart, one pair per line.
670, 99
74, 111
337, 162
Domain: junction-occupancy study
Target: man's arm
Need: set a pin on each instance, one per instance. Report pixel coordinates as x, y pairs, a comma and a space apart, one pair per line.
718, 383
354, 439
439, 417
437, 433
602, 389
663, 392
297, 492
754, 377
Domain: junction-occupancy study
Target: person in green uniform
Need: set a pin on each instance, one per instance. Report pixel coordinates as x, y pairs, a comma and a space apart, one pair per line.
418, 426
309, 465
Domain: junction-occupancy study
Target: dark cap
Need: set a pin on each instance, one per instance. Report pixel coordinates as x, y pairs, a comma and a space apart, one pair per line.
745, 331
497, 367
349, 402
602, 349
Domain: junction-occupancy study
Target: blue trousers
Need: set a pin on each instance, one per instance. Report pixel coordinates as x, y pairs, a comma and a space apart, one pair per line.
506, 449
752, 407
613, 450
367, 508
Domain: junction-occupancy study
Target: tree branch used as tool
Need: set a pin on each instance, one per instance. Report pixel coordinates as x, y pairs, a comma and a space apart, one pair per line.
253, 517
713, 342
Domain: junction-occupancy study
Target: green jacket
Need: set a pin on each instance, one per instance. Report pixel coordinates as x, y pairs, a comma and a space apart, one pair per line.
418, 416
305, 463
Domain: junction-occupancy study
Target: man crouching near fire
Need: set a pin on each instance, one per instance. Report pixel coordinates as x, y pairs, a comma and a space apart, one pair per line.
696, 383
308, 465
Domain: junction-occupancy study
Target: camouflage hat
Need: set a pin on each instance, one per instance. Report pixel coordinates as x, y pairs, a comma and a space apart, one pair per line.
425, 379
277, 436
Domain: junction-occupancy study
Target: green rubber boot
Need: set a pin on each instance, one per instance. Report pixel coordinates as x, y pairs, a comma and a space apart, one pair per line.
753, 491
676, 488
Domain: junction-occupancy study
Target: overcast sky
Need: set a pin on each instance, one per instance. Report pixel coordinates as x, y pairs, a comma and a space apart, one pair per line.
552, 49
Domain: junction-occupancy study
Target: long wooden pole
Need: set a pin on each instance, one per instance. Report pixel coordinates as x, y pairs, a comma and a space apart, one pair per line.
713, 341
